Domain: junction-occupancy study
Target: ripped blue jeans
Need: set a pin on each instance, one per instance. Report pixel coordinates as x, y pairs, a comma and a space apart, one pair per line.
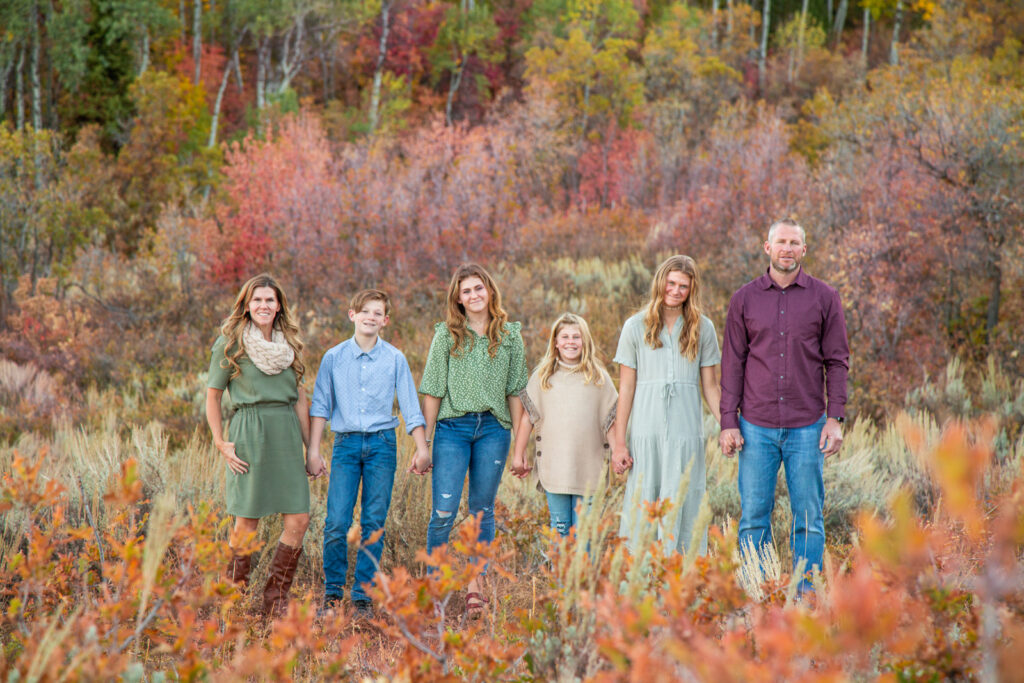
564, 510
475, 443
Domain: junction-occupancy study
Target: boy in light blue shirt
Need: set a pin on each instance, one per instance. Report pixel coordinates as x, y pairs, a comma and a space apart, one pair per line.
356, 387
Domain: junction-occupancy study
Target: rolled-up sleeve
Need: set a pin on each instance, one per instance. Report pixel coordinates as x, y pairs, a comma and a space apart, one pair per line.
435, 373
322, 404
517, 372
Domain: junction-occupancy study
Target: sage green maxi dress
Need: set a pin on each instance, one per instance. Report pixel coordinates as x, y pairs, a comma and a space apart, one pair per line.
266, 434
666, 430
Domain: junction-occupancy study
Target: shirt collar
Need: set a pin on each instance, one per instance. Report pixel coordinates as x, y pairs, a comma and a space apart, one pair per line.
372, 353
766, 282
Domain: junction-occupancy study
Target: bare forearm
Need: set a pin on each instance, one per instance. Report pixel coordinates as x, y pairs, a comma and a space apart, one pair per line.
712, 389
419, 436
214, 417
627, 388
523, 435
515, 408
302, 412
431, 407
316, 433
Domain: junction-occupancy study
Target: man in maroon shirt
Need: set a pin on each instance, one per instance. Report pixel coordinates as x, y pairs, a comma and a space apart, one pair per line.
784, 363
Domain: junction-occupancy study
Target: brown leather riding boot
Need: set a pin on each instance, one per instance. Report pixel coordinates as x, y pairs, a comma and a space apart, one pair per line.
239, 569
279, 582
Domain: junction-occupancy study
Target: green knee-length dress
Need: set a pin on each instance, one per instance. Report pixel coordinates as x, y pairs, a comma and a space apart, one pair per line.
266, 434
666, 431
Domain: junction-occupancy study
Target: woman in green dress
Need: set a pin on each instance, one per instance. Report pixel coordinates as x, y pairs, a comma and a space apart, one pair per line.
668, 358
256, 358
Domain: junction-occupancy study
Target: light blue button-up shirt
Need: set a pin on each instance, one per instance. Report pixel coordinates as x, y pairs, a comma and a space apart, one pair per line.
356, 389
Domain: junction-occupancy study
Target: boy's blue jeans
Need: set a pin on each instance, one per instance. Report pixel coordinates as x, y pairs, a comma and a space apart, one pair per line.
764, 449
369, 457
564, 509
475, 443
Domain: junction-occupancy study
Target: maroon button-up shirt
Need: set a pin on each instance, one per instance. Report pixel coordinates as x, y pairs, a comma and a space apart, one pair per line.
784, 350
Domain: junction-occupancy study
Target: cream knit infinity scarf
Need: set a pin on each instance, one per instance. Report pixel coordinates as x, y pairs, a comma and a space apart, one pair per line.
271, 357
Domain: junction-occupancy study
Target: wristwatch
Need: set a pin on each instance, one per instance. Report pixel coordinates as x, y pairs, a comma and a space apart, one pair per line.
840, 420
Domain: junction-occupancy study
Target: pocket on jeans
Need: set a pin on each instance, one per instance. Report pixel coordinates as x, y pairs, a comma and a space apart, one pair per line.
388, 437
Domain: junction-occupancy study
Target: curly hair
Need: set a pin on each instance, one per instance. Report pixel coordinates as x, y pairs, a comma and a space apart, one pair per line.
455, 317
689, 338
234, 325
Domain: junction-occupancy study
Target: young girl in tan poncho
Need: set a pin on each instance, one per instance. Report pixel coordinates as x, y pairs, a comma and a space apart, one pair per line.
570, 399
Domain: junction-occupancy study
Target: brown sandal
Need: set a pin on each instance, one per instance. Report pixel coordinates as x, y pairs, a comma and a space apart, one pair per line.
475, 603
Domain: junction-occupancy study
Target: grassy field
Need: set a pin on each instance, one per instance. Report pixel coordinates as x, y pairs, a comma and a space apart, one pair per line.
114, 541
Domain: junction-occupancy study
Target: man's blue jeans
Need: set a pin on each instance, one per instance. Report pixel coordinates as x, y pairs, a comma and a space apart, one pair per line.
475, 443
764, 449
564, 509
371, 458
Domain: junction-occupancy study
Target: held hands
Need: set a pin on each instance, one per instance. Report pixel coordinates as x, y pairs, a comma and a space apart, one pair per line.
235, 464
315, 465
730, 441
831, 437
520, 467
622, 461
421, 462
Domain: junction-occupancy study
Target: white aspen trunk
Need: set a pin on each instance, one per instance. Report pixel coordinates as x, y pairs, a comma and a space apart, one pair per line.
37, 90
238, 73
5, 75
840, 22
197, 38
220, 99
762, 56
453, 87
19, 89
864, 38
378, 72
293, 54
714, 23
262, 59
181, 21
800, 39
728, 19
894, 45
828, 13
144, 53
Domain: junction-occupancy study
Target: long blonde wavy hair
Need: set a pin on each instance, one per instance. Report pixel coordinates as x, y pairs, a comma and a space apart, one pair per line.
689, 337
234, 325
590, 365
455, 317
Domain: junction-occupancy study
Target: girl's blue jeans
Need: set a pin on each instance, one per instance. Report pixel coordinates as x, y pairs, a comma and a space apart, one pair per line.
476, 444
564, 509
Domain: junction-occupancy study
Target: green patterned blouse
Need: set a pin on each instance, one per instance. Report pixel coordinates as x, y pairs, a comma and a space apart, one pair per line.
473, 382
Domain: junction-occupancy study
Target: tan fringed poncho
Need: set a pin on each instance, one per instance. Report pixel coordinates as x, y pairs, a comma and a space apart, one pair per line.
571, 420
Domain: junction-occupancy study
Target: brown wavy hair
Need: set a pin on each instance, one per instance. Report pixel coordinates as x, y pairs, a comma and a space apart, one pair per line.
590, 365
455, 317
689, 337
234, 325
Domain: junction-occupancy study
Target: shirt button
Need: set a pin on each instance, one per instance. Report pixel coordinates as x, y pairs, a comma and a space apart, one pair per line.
781, 311
781, 355
781, 377
780, 398
781, 333
538, 437
606, 446
538, 454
